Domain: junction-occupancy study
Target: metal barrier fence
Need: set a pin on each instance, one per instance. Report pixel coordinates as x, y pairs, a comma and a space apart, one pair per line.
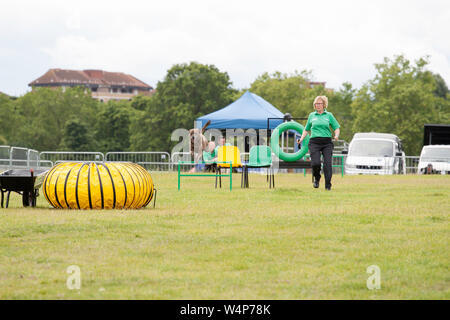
20, 158
4, 156
17, 157
180, 156
155, 161
184, 158
339, 146
33, 158
151, 160
411, 165
245, 156
376, 165
60, 156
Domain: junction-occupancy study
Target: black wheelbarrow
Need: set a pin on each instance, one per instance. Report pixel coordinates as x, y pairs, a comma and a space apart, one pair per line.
25, 182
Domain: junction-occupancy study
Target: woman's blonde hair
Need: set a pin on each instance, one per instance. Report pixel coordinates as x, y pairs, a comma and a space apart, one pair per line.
324, 99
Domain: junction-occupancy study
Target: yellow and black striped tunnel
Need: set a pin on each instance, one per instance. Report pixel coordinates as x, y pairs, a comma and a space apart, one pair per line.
90, 185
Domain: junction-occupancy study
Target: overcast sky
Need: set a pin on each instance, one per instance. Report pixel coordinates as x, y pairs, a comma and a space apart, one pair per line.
337, 40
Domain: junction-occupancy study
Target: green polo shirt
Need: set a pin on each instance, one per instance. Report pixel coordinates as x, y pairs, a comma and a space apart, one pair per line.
319, 124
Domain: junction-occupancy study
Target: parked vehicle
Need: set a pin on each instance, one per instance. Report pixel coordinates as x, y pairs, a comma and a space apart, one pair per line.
375, 153
434, 159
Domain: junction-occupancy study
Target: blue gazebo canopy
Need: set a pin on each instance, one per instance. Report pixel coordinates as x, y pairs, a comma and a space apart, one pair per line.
249, 111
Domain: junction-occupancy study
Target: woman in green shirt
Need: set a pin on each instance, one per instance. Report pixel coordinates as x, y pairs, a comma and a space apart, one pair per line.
318, 127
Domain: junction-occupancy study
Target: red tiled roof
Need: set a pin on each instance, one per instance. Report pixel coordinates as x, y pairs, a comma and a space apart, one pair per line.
88, 77
317, 83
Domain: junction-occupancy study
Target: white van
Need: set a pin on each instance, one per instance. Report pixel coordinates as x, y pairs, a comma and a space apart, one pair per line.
375, 153
434, 159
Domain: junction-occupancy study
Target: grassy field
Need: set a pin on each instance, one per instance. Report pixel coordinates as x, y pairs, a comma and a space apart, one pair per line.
294, 242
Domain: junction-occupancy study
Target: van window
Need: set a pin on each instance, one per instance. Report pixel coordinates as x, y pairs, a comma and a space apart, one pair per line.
371, 148
429, 153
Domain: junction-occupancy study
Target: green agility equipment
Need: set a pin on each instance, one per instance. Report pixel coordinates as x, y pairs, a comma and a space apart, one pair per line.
275, 141
260, 157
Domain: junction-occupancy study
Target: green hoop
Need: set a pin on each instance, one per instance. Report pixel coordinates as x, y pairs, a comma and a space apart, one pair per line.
275, 141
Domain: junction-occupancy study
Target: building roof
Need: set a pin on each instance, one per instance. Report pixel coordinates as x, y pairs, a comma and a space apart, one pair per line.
88, 77
315, 83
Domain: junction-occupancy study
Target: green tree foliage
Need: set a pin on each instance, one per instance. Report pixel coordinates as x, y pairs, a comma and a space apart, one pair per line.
76, 136
287, 92
6, 118
187, 92
139, 102
39, 117
142, 137
441, 87
400, 100
340, 105
113, 126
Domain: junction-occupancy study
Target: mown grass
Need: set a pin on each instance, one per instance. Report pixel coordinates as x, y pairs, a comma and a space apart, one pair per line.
293, 242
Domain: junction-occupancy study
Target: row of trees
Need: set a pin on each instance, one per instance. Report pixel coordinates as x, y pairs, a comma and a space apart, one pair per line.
400, 99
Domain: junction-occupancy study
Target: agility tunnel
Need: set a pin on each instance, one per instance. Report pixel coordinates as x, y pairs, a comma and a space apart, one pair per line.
90, 185
275, 141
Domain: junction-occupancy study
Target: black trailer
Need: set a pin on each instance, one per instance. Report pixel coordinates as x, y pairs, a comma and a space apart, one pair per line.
25, 182
436, 134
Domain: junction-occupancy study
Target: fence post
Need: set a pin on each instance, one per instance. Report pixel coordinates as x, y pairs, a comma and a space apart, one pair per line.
179, 169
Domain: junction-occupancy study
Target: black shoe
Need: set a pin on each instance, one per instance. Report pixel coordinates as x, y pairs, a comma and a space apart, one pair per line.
328, 188
316, 183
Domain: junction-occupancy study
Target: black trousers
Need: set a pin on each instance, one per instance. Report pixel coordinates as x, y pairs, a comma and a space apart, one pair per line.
317, 147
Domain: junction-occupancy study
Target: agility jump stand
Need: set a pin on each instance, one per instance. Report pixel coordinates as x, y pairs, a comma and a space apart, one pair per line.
205, 175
